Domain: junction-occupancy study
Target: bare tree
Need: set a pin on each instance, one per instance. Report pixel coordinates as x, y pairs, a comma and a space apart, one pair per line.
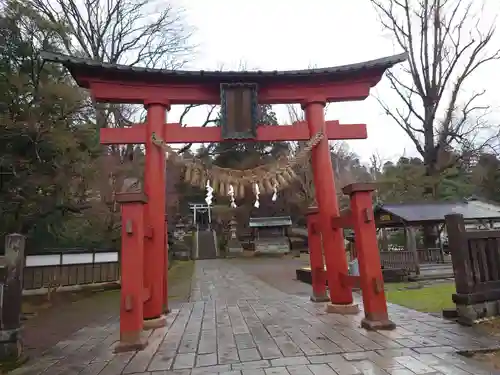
302, 193
446, 44
209, 119
133, 32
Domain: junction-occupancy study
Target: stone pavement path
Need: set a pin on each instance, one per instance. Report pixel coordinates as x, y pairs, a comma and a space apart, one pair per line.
238, 324
280, 273
65, 317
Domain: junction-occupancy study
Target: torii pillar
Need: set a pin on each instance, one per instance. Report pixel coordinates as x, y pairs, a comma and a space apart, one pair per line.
333, 239
155, 244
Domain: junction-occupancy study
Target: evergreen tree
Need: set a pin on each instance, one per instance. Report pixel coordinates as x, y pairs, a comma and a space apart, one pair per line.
244, 155
45, 141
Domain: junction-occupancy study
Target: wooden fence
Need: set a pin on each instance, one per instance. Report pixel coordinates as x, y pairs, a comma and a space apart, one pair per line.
69, 267
476, 262
404, 259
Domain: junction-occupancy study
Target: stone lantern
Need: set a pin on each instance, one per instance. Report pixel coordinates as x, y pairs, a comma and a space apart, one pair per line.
233, 244
232, 229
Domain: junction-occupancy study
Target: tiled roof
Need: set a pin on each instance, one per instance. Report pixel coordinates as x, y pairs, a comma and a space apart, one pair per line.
97, 68
436, 211
274, 221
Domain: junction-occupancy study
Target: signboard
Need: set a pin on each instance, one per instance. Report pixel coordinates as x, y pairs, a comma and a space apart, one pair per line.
385, 217
239, 110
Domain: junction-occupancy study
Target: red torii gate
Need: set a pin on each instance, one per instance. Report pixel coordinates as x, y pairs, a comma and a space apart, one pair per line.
144, 245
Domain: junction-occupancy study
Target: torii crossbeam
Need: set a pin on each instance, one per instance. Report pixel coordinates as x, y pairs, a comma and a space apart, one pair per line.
144, 245
176, 133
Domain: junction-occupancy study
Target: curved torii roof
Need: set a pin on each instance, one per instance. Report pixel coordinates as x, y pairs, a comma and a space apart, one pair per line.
82, 67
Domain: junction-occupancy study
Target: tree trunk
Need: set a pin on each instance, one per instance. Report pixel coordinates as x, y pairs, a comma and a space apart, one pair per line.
430, 235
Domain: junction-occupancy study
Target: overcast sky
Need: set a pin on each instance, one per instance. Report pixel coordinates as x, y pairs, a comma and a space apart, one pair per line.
292, 34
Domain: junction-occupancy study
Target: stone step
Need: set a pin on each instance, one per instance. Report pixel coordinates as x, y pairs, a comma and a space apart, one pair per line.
206, 245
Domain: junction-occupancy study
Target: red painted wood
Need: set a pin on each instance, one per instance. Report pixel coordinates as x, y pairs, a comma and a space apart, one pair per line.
342, 221
206, 93
158, 97
333, 239
132, 258
154, 186
352, 281
130, 135
146, 295
370, 272
316, 256
178, 134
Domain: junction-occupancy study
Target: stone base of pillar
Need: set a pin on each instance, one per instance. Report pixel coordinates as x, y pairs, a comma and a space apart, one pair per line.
11, 348
350, 309
377, 325
154, 323
320, 298
131, 342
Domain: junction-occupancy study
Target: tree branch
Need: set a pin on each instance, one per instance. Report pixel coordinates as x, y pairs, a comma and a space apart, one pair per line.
208, 120
445, 46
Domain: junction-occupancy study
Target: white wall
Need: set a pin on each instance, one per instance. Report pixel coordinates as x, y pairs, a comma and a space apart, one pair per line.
70, 258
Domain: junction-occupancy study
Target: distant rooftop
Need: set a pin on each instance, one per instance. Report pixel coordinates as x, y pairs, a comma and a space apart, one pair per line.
273, 221
391, 214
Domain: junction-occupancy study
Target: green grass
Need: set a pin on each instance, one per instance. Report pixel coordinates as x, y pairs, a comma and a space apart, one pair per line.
430, 298
179, 280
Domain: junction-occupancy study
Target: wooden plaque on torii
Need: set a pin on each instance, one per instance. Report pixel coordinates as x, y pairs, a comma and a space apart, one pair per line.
239, 110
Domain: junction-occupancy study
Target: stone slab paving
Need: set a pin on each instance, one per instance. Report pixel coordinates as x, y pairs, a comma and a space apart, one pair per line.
237, 324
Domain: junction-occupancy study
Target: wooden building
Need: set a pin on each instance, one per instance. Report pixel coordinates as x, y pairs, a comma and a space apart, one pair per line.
270, 234
411, 217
